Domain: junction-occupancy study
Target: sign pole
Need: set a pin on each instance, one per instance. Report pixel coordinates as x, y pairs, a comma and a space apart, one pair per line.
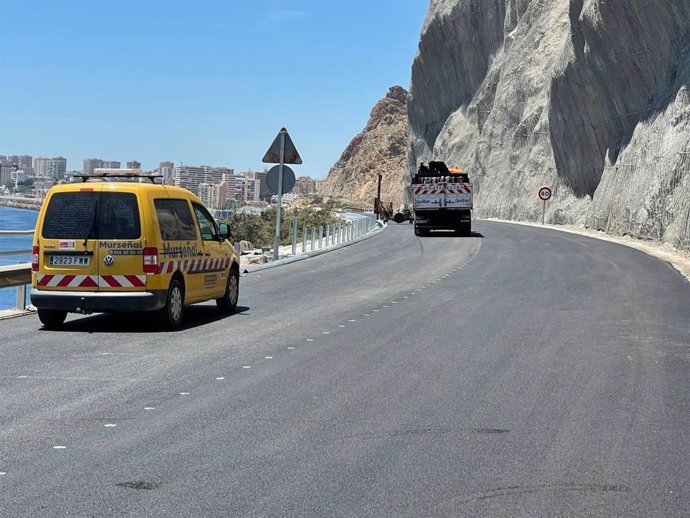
543, 213
276, 241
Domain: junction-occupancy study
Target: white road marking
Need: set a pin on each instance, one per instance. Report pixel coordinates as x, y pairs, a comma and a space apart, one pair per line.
149, 408
268, 357
246, 366
394, 302
110, 425
367, 314
406, 297
326, 332
2, 473
74, 378
352, 320
341, 325
184, 393
59, 447
376, 310
220, 378
310, 339
291, 348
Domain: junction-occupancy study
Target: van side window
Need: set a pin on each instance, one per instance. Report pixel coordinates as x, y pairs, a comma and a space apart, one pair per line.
175, 220
207, 226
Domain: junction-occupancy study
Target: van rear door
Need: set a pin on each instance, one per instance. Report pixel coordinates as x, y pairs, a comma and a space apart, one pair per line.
120, 244
67, 251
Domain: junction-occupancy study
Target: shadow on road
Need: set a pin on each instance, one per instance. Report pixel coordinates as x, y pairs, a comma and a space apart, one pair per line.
453, 235
194, 316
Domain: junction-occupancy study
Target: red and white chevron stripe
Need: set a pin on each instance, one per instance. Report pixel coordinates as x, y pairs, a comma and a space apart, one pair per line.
450, 189
67, 281
194, 265
122, 281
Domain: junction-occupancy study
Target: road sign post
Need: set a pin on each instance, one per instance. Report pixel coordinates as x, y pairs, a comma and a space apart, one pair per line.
283, 152
544, 195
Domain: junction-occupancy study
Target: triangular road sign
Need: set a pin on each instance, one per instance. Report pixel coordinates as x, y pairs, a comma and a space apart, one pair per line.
273, 154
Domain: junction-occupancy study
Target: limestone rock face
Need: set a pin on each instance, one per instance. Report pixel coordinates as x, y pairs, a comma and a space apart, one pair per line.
588, 97
380, 149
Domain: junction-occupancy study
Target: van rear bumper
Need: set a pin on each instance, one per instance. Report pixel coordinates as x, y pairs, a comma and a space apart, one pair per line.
98, 302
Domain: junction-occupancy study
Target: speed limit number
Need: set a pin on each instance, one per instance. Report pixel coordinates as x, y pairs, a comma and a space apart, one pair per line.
544, 193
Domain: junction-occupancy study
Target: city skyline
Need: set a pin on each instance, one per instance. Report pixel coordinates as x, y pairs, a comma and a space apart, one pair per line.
207, 82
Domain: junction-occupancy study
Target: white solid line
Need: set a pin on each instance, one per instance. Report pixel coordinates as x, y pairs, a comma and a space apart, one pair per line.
59, 447
184, 393
2, 473
246, 366
110, 425
149, 408
219, 378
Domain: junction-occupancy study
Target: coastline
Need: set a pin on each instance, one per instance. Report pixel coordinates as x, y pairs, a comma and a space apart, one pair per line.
21, 203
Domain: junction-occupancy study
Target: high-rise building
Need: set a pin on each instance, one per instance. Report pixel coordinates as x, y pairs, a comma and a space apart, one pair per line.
260, 177
3, 160
57, 167
209, 195
54, 168
111, 164
167, 170
234, 185
133, 165
89, 164
41, 165
190, 177
20, 161
304, 185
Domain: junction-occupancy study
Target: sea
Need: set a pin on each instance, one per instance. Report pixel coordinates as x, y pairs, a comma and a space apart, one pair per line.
15, 219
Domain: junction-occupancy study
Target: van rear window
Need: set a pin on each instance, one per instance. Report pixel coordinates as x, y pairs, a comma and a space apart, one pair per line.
93, 215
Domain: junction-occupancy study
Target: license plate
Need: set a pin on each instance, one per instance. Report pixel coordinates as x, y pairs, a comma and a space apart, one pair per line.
69, 260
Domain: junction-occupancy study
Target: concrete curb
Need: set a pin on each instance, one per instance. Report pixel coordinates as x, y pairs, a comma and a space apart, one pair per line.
307, 255
679, 259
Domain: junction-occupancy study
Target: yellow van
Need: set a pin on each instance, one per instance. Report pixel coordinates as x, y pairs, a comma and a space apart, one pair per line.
119, 247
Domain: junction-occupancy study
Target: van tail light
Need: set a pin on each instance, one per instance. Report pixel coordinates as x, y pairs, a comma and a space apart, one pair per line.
34, 258
150, 259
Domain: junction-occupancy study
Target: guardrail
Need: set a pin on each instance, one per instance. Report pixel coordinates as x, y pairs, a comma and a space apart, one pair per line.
18, 275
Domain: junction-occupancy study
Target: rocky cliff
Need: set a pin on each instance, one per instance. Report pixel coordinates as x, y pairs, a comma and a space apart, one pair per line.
586, 96
381, 148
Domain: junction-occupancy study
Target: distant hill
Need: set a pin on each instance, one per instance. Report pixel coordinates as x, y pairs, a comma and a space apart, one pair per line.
381, 148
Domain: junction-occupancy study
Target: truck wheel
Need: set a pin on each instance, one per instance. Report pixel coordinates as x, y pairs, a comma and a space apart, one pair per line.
171, 315
52, 318
228, 302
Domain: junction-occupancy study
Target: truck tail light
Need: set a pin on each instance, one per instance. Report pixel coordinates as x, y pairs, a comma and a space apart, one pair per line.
34, 258
150, 259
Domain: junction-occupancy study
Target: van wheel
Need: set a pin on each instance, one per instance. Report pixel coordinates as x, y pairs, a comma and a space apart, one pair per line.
52, 318
171, 315
228, 302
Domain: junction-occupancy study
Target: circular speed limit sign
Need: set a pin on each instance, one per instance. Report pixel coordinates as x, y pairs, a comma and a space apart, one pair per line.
544, 193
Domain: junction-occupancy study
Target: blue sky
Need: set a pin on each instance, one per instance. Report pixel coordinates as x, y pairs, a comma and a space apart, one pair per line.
198, 81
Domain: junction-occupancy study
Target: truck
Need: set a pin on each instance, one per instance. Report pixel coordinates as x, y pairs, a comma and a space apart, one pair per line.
441, 199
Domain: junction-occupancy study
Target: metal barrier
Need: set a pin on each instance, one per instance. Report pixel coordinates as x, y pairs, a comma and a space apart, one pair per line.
18, 275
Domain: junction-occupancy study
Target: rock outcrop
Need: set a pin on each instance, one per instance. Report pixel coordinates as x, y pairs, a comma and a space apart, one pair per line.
380, 149
587, 96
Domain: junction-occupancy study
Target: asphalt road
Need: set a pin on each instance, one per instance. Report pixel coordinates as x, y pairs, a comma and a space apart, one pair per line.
520, 372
